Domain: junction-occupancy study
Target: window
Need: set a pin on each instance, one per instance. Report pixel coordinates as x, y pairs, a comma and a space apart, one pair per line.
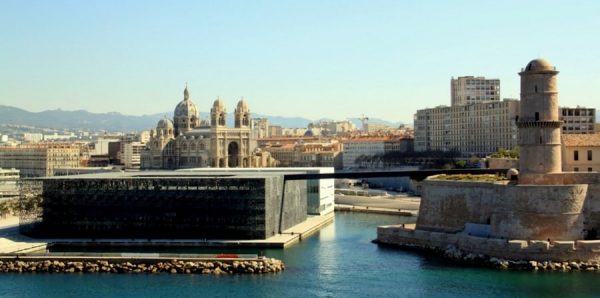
537, 116
575, 155
576, 169
589, 154
589, 169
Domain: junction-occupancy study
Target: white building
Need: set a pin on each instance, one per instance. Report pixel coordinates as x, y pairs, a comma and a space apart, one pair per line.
101, 145
577, 120
474, 129
355, 148
469, 89
57, 137
9, 188
33, 137
259, 127
131, 154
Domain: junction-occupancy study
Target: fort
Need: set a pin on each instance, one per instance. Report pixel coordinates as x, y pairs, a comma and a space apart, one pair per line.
540, 213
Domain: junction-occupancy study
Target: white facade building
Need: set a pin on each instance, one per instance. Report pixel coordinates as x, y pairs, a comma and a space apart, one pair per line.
475, 129
354, 148
101, 145
9, 188
131, 154
577, 120
33, 137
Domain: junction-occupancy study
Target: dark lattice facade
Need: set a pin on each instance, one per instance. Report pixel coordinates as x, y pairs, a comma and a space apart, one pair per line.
166, 207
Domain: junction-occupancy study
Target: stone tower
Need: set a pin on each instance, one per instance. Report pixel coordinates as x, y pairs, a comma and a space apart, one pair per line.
539, 124
242, 114
218, 113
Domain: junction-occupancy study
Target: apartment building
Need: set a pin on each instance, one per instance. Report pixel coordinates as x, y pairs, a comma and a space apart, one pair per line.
38, 160
577, 120
355, 148
475, 129
469, 89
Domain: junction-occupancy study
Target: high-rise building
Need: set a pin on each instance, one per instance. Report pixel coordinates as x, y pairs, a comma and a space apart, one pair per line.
474, 129
470, 89
131, 154
577, 120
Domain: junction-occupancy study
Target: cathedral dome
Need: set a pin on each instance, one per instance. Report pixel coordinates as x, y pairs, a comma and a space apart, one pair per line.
186, 107
164, 124
539, 65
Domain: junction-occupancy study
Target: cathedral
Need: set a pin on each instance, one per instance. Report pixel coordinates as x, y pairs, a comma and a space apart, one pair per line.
191, 142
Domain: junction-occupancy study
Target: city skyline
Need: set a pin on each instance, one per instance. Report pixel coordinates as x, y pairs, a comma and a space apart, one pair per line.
335, 60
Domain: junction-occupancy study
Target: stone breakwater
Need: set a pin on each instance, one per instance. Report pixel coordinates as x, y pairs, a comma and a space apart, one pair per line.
453, 253
497, 253
260, 266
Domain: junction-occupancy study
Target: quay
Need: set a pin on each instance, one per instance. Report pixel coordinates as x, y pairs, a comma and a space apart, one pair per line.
11, 242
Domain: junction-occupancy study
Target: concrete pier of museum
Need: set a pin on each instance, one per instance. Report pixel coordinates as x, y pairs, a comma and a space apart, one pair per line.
12, 242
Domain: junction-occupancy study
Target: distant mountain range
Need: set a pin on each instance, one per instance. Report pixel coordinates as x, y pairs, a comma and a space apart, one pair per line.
114, 121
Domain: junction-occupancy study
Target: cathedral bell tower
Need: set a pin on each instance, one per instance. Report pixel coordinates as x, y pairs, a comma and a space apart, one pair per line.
242, 114
218, 113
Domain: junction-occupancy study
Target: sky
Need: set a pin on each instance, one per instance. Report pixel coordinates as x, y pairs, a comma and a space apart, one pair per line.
312, 59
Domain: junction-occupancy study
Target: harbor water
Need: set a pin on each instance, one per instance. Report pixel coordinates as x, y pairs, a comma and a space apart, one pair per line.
338, 261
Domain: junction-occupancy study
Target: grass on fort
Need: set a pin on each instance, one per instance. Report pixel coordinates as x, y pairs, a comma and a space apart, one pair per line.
470, 177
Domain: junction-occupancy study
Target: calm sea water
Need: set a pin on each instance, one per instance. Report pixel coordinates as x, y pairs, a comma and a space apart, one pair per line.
339, 261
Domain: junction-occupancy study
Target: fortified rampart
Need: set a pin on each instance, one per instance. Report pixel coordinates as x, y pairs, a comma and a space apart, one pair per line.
510, 211
515, 249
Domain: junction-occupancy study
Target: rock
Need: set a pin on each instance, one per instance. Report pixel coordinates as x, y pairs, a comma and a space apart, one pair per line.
533, 265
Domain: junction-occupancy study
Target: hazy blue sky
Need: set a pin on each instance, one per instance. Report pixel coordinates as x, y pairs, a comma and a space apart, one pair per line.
313, 59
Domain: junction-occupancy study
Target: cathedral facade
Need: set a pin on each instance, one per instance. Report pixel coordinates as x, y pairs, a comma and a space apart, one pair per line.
190, 142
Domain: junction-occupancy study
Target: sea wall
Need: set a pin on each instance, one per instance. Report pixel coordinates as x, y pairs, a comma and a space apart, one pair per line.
533, 211
513, 249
